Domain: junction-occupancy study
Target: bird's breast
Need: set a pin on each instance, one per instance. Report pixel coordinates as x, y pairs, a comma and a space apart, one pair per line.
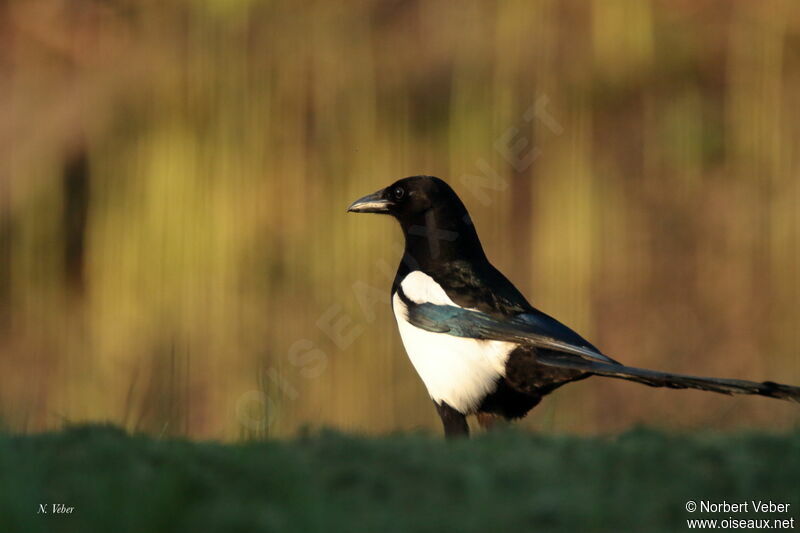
458, 370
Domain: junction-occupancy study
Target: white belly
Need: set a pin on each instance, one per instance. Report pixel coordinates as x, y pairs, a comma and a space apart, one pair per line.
456, 370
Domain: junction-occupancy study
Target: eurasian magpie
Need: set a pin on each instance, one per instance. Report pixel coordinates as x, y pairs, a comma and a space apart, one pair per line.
478, 345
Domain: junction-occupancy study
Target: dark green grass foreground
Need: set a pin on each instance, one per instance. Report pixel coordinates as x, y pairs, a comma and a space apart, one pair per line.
328, 482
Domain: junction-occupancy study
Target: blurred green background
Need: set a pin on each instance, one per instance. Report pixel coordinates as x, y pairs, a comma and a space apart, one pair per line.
175, 253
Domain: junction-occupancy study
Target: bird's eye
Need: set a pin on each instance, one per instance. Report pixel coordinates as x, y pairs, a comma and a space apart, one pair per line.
398, 193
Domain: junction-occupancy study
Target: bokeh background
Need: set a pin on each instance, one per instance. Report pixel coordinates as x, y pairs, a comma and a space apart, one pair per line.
175, 255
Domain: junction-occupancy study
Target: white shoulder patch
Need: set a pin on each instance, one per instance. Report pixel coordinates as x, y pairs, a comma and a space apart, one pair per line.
421, 288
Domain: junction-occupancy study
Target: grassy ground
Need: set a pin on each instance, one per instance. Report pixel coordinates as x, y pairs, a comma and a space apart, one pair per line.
508, 481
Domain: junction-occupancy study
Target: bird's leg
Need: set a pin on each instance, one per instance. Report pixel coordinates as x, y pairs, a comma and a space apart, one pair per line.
455, 423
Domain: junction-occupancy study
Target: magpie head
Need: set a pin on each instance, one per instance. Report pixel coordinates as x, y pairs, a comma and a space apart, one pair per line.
435, 222
409, 199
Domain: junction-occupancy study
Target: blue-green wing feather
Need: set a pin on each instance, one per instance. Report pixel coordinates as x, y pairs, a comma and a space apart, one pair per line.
535, 330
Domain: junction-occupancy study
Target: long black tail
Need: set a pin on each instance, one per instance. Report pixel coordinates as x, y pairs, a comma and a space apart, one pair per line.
654, 378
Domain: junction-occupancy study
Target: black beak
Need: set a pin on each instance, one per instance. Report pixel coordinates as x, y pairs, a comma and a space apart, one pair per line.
371, 203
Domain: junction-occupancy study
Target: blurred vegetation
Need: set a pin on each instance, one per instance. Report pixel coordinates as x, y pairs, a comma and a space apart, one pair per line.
504, 481
175, 256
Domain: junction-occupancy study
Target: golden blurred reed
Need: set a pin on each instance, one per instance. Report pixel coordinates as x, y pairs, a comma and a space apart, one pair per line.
173, 177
